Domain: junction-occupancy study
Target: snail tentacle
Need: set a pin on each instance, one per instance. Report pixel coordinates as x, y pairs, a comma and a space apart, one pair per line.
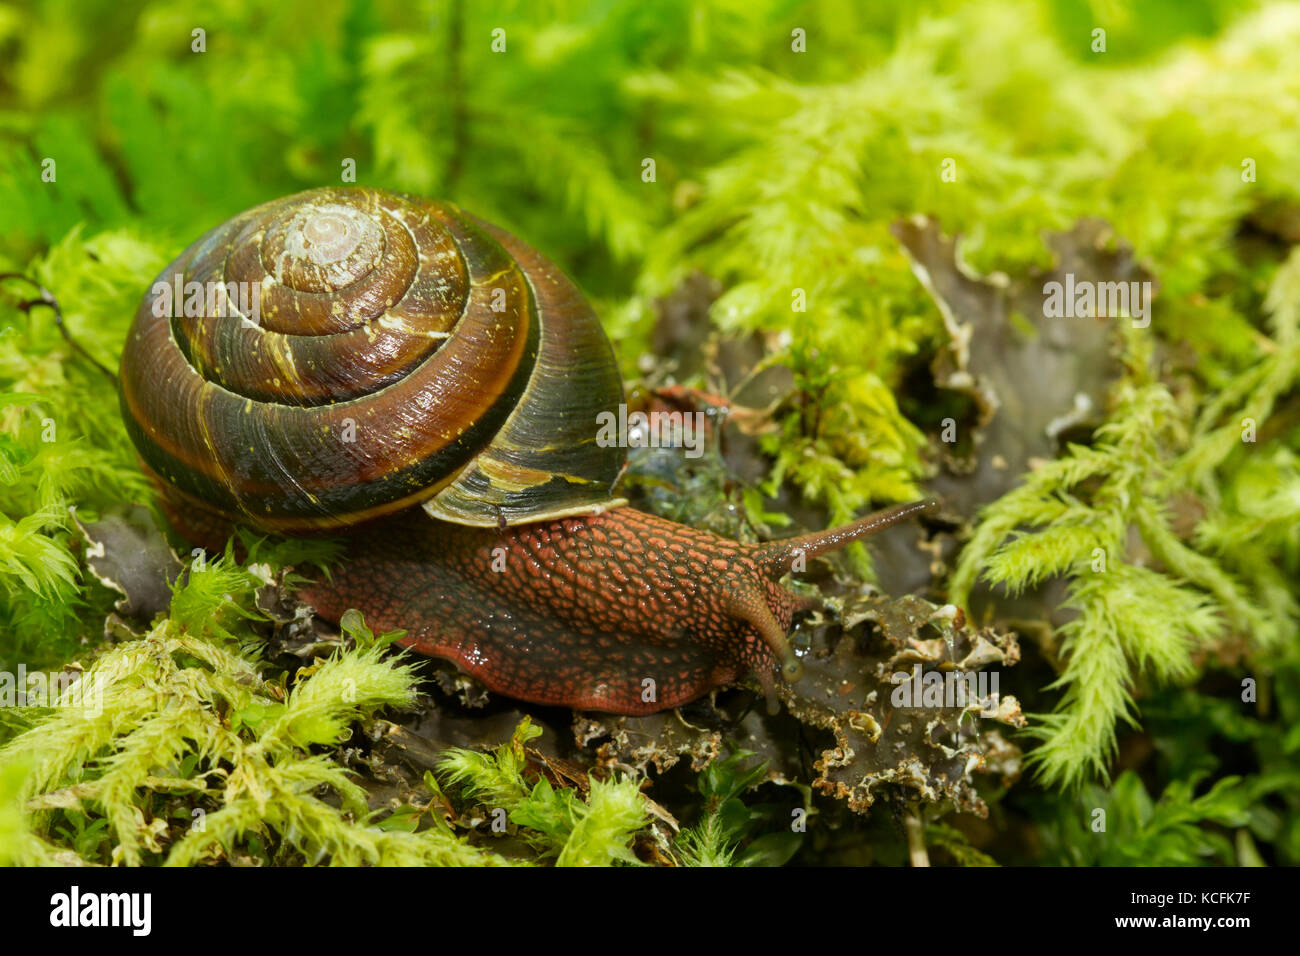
777, 556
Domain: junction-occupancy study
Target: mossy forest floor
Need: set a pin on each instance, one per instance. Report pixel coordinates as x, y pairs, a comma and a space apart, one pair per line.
841, 223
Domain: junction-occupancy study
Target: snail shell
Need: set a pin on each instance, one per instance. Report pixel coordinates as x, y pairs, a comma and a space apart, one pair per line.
388, 350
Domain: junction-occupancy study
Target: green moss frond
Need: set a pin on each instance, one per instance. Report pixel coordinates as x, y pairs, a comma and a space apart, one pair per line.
175, 747
954, 842
556, 822
18, 845
1027, 559
707, 844
61, 437
1178, 829
1072, 518
1131, 619
30, 559
347, 686
602, 834
1250, 397
1078, 739
214, 596
493, 778
726, 832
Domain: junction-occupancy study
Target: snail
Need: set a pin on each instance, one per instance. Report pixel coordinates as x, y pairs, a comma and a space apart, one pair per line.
355, 360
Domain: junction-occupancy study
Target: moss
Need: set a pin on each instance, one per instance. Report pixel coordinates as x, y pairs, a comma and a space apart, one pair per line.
777, 173
558, 824
1072, 517
177, 749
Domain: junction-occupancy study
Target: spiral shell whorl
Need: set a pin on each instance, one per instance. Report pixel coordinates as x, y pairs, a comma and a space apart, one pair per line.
399, 351
326, 247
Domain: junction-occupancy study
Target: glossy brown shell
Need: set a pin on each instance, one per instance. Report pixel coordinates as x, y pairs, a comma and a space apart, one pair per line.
404, 352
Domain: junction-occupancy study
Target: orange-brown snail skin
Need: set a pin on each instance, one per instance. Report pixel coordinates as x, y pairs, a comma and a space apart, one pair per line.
405, 354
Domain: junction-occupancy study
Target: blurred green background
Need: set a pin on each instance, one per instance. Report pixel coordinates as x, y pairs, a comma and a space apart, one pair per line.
548, 136
775, 169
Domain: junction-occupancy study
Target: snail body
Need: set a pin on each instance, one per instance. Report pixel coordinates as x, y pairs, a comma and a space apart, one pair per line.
407, 356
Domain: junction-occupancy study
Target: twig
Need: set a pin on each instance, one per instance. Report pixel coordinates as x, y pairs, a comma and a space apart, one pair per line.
916, 840
46, 297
